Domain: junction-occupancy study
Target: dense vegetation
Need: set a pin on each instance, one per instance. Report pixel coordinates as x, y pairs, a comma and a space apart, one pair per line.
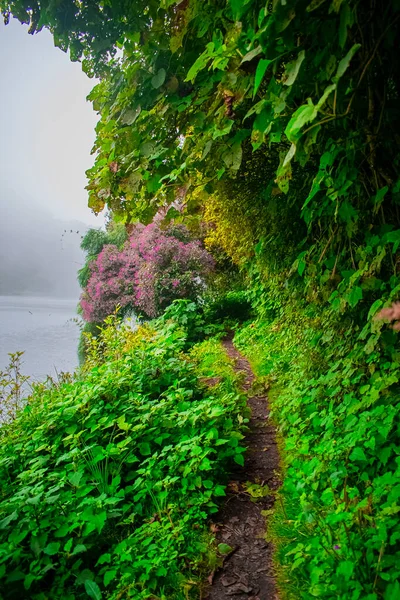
107, 480
276, 124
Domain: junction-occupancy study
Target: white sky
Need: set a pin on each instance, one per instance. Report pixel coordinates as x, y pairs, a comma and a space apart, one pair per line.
46, 127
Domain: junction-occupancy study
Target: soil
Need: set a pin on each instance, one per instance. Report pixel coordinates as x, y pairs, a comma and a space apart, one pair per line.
247, 571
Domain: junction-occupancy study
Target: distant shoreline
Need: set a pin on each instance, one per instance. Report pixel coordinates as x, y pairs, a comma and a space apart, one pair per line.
30, 295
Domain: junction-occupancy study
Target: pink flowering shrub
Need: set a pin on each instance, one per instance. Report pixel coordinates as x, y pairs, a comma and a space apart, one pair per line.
154, 268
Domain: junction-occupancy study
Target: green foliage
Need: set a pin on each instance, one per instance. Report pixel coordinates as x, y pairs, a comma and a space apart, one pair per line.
106, 481
93, 329
93, 243
282, 118
191, 318
335, 397
197, 83
232, 306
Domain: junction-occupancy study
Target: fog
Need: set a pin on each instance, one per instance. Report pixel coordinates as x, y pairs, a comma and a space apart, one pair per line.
40, 255
46, 138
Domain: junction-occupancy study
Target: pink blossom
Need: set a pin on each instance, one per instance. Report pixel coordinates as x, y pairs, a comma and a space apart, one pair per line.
155, 267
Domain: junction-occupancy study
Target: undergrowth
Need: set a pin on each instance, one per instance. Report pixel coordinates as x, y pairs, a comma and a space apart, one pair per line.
335, 399
107, 481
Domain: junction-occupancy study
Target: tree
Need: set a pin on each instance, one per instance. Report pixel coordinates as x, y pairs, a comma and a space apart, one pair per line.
154, 268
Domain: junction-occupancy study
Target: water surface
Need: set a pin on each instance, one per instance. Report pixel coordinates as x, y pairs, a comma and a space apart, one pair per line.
42, 328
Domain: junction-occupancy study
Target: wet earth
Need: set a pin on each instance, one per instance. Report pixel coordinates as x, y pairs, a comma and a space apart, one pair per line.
247, 571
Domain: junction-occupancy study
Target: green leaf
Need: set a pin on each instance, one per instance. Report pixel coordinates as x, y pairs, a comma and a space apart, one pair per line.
201, 62
158, 79
374, 308
393, 591
99, 520
303, 115
380, 194
109, 576
68, 545
233, 157
314, 5
92, 589
260, 72
7, 520
252, 54
104, 558
358, 454
355, 296
327, 92
144, 449
122, 424
52, 548
347, 212
284, 172
345, 62
301, 267
78, 549
29, 579
75, 478
346, 569
224, 549
129, 116
239, 459
238, 7
224, 131
346, 20
292, 69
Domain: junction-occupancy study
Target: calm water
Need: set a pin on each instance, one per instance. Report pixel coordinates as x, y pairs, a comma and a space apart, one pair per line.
41, 327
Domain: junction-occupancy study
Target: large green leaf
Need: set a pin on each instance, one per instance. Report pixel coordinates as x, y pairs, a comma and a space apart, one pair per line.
233, 157
92, 589
251, 54
345, 62
303, 115
129, 116
355, 296
260, 72
292, 69
52, 548
200, 62
109, 576
158, 79
239, 7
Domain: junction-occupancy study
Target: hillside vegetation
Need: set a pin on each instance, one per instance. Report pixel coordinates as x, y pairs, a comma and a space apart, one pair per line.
270, 130
107, 480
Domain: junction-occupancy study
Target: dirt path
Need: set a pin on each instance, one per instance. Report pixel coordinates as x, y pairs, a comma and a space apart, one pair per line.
247, 572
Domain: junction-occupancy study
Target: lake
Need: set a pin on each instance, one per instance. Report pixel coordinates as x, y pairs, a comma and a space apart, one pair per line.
42, 328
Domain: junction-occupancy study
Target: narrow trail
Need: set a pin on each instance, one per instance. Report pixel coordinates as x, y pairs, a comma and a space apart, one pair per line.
247, 572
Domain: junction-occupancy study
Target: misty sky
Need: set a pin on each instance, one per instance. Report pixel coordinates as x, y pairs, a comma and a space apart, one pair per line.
47, 126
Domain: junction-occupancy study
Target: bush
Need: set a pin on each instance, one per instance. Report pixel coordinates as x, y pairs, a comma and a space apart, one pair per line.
190, 317
233, 306
106, 482
93, 329
336, 401
154, 268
